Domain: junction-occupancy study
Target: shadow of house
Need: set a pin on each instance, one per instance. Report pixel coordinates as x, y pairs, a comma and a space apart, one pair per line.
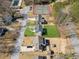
44, 32
43, 1
7, 20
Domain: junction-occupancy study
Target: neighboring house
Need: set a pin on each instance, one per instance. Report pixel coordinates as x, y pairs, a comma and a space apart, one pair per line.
16, 4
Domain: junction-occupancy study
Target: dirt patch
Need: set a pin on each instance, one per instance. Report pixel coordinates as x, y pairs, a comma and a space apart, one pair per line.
58, 45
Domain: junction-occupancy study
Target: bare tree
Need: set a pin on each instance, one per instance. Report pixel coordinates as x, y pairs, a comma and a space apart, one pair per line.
5, 8
28, 2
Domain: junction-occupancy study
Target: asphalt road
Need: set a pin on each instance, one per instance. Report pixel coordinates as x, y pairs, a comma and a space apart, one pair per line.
19, 41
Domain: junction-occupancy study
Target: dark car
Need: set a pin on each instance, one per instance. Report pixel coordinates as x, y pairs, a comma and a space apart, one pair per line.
41, 1
43, 21
47, 42
42, 47
29, 47
3, 31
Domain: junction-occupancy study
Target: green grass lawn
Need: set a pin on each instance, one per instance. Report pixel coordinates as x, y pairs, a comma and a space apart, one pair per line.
52, 31
28, 32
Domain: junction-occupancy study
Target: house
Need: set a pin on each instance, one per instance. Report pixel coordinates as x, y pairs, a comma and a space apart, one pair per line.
16, 4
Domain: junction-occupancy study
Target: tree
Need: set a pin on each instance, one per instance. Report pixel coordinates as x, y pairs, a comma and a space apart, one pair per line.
7, 13
28, 2
72, 1
5, 8
75, 11
57, 7
4, 5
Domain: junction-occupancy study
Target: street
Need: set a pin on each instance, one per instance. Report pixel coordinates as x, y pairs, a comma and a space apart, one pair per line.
19, 41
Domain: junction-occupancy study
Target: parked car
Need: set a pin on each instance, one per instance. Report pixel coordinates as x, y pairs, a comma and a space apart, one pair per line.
29, 46
3, 31
43, 21
47, 42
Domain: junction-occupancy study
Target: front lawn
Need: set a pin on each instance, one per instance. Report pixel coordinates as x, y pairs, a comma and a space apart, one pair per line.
28, 32
51, 31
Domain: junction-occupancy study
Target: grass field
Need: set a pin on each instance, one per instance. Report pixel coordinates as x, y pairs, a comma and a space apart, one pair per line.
28, 32
52, 31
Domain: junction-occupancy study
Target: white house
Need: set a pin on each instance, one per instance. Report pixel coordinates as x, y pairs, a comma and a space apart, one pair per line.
16, 4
